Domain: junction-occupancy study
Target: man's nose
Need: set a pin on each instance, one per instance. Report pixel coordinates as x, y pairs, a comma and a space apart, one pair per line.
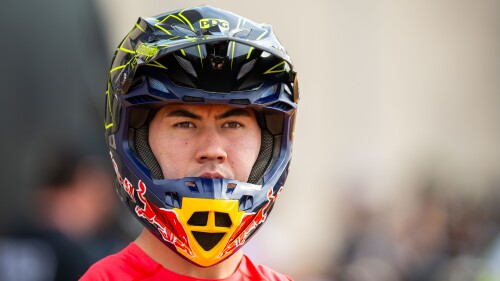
210, 147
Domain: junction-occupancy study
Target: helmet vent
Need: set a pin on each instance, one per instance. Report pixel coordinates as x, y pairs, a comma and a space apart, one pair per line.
192, 99
242, 33
198, 219
192, 186
288, 91
240, 101
269, 92
184, 30
230, 188
246, 68
222, 219
188, 67
157, 85
161, 90
207, 240
246, 202
142, 99
282, 106
172, 199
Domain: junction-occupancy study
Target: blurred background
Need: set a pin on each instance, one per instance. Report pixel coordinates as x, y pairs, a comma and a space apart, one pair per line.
395, 174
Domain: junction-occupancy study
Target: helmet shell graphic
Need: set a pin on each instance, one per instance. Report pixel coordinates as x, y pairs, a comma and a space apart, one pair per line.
200, 55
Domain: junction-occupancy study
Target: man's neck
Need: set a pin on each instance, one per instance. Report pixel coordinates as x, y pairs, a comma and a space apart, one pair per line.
175, 263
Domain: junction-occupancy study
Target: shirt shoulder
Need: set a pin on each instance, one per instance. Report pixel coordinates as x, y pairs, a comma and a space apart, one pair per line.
131, 263
249, 271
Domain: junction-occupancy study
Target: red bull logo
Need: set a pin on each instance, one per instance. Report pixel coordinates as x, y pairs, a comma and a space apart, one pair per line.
164, 220
249, 222
125, 183
160, 218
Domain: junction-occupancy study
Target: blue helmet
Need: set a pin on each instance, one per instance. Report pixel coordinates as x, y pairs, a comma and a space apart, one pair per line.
201, 55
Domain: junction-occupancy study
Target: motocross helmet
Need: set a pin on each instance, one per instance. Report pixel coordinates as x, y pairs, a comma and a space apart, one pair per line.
200, 55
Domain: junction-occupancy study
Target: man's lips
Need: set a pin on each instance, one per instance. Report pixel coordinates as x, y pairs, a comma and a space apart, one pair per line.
211, 175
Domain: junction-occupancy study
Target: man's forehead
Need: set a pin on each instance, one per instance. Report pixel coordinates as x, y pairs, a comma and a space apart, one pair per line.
216, 110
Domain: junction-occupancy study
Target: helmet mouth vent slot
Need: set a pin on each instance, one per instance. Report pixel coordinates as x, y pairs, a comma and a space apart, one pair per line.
192, 186
172, 199
230, 187
198, 219
246, 202
222, 219
208, 240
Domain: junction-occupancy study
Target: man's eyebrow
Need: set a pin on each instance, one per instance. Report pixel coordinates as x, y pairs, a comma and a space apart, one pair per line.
234, 112
183, 113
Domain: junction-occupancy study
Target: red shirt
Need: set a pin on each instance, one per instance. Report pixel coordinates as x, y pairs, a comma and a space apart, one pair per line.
134, 264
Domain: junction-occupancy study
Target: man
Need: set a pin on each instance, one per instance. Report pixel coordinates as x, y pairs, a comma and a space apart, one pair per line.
199, 122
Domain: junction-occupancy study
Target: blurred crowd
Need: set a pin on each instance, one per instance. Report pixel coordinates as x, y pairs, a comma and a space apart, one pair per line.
435, 236
59, 212
74, 221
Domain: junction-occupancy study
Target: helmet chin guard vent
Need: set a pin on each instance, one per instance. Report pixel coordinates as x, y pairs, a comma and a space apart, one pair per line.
208, 240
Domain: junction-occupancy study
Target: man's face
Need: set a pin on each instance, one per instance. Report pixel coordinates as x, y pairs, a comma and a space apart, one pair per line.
209, 141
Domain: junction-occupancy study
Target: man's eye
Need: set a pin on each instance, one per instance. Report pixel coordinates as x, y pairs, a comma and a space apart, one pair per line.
185, 125
232, 125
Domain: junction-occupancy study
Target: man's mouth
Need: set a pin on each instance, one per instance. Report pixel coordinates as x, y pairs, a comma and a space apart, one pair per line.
211, 175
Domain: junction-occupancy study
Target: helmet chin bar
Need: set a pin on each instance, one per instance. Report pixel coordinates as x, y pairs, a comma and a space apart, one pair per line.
204, 231
204, 220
